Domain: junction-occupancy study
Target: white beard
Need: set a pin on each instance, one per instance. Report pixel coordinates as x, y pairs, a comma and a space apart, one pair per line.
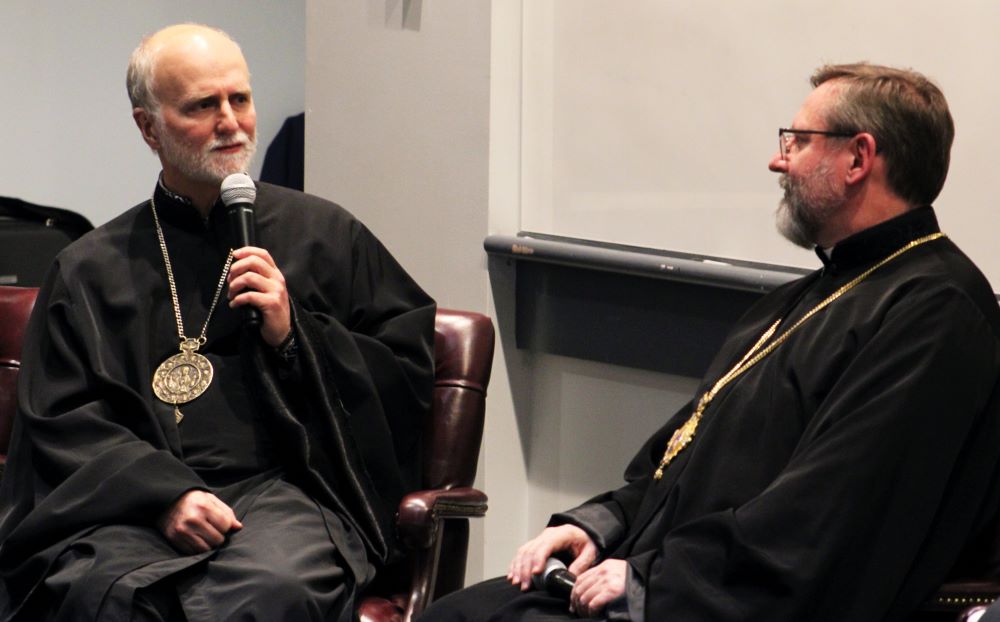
204, 165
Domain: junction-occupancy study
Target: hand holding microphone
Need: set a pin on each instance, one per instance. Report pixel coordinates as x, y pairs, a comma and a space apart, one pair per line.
568, 541
590, 591
595, 588
255, 282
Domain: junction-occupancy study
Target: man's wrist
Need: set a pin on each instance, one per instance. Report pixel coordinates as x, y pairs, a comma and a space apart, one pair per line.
288, 349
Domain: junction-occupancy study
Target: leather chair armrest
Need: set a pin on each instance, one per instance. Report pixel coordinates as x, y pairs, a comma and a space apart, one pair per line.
960, 595
420, 512
379, 610
973, 614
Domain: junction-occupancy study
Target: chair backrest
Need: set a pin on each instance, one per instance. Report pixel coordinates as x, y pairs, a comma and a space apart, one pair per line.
15, 308
463, 356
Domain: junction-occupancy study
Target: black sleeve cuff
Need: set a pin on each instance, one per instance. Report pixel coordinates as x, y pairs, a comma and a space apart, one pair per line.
600, 523
630, 606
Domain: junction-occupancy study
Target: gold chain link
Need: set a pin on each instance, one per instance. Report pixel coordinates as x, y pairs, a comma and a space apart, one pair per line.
187, 343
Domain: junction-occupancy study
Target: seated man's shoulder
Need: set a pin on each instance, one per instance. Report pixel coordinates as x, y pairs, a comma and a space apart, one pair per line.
303, 204
101, 250
303, 217
949, 282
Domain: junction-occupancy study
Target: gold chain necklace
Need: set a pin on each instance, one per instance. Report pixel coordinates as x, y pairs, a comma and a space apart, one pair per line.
683, 435
183, 377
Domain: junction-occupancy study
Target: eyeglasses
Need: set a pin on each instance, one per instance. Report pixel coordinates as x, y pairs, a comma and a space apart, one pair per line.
786, 138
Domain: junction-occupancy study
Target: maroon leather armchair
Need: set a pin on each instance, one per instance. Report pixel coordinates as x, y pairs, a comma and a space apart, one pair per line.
15, 308
433, 524
973, 614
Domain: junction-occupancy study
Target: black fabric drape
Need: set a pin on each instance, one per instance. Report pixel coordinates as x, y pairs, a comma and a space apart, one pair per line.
92, 446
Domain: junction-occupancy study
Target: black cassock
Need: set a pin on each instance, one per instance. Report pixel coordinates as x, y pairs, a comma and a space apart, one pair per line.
838, 479
96, 457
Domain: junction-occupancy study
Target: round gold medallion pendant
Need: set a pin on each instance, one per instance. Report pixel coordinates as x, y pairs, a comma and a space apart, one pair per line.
182, 377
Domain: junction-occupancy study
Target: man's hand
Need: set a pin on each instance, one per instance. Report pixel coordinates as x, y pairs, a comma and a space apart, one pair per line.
530, 558
597, 587
254, 279
197, 522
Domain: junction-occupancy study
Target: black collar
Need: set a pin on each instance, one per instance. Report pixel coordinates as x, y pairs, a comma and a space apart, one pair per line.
872, 244
180, 211
170, 193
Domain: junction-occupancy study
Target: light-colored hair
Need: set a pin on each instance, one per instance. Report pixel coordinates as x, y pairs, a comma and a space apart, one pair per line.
139, 79
908, 116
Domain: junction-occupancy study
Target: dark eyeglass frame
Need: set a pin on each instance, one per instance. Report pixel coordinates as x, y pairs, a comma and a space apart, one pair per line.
785, 133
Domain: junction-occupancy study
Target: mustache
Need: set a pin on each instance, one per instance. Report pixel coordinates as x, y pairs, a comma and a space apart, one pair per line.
784, 182
238, 136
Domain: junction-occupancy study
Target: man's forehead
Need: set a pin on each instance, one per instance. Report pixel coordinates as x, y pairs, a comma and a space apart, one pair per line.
197, 81
185, 87
191, 60
812, 113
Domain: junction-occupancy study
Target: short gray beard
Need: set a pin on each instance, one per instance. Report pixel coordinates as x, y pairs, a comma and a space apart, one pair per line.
807, 206
203, 165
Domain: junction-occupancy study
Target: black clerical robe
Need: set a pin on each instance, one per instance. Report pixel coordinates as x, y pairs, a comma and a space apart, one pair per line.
837, 479
840, 478
93, 446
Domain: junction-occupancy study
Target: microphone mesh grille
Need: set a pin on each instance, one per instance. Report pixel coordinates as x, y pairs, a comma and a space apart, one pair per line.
238, 188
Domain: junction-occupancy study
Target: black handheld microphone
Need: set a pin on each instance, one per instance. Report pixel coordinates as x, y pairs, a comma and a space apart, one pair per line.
555, 579
238, 195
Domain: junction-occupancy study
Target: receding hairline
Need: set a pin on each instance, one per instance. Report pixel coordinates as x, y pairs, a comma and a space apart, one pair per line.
187, 29
141, 73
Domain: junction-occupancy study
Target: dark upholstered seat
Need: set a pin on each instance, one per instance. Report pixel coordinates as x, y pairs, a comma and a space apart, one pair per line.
15, 307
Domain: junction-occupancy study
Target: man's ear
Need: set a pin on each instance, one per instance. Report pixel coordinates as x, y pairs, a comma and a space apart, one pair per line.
863, 153
146, 123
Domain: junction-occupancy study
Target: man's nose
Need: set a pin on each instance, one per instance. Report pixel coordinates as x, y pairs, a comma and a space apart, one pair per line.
227, 123
777, 163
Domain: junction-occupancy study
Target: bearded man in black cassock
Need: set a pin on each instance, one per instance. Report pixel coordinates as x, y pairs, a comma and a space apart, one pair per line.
843, 447
258, 479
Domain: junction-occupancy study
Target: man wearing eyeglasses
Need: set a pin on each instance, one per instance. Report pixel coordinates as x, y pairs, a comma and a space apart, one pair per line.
843, 448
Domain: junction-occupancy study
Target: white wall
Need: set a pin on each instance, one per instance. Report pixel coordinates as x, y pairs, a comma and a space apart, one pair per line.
67, 138
397, 100
413, 123
397, 131
651, 122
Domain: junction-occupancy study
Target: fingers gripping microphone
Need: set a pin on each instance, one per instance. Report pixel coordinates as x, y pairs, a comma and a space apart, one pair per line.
555, 579
238, 195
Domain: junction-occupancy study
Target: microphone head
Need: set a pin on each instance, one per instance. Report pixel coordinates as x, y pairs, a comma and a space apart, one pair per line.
238, 188
551, 565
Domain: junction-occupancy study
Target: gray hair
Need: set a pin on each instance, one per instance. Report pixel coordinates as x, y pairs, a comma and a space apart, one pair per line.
139, 78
